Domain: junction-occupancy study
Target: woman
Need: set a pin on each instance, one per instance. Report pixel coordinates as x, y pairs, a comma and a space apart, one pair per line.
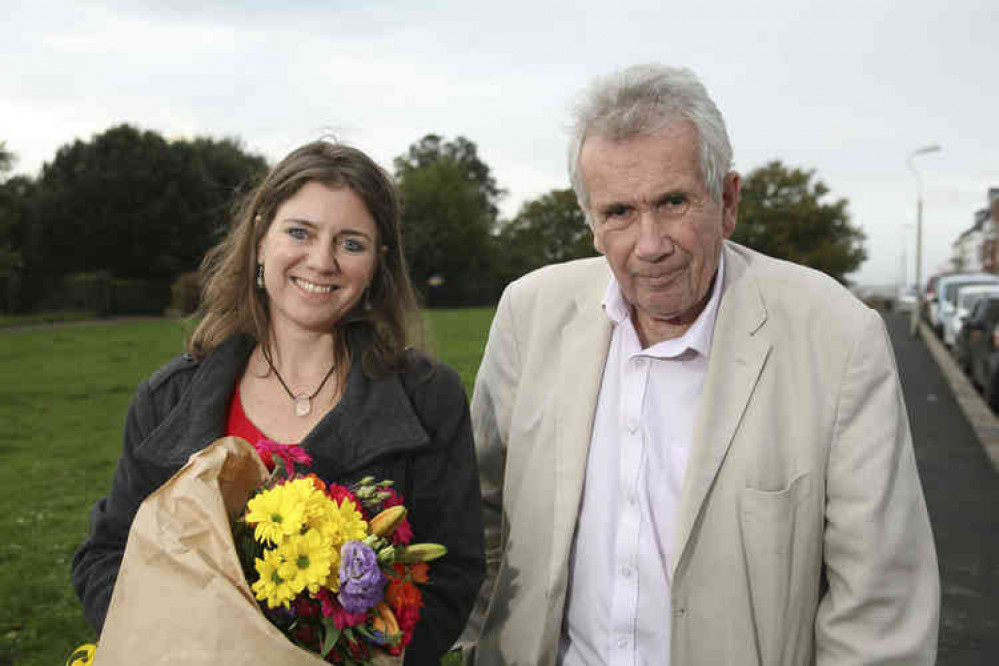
307, 309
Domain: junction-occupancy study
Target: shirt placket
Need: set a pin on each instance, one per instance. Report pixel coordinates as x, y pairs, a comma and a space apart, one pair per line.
624, 605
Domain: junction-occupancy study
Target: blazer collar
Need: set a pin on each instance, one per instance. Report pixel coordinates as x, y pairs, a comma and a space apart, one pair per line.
584, 343
739, 351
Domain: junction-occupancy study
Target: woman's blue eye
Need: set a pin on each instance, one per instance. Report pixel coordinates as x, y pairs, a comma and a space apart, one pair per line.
353, 245
298, 233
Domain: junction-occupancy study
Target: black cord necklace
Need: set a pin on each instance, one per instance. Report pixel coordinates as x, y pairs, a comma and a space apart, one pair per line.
303, 401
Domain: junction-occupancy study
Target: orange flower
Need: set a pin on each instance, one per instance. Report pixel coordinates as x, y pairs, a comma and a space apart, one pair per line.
318, 483
419, 572
401, 593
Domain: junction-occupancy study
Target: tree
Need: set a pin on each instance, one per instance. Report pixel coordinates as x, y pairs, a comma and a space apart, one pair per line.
134, 204
449, 210
782, 214
549, 229
462, 152
7, 159
13, 195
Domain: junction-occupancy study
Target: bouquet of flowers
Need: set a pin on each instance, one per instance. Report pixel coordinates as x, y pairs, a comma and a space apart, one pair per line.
331, 566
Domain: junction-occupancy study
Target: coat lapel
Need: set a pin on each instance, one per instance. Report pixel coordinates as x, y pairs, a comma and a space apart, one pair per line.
584, 345
737, 357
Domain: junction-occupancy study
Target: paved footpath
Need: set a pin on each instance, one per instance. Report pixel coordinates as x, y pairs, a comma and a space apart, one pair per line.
962, 493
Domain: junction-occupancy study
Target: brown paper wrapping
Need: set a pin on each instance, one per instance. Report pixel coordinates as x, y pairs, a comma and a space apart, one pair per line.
181, 597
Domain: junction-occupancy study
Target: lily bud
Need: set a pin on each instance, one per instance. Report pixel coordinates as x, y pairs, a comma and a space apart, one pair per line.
385, 522
420, 552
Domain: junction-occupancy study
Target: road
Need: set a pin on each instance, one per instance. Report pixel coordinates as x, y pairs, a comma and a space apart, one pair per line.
962, 494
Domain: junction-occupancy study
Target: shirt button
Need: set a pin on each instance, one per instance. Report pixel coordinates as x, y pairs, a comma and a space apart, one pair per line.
626, 571
622, 643
633, 499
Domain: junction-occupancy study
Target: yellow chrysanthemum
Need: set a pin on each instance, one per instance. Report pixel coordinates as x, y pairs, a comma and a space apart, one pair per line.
272, 587
305, 561
314, 502
82, 656
342, 523
277, 513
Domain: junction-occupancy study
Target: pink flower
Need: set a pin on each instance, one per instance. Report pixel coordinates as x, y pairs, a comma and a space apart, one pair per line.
288, 453
331, 607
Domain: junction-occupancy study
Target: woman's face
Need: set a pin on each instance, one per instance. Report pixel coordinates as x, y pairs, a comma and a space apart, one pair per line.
319, 255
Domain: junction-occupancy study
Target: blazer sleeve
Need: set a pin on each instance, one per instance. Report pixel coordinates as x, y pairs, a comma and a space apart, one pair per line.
881, 601
492, 405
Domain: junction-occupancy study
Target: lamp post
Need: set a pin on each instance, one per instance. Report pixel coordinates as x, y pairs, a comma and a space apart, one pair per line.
934, 148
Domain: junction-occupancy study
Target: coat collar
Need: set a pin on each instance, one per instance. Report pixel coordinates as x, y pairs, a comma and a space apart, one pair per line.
374, 417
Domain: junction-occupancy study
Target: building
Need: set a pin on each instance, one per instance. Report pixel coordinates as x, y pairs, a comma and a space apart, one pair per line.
988, 218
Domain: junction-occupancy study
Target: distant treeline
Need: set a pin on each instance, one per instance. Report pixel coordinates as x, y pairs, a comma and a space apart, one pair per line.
120, 222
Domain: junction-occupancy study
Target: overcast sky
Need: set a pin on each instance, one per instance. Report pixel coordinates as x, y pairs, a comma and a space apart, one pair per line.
847, 88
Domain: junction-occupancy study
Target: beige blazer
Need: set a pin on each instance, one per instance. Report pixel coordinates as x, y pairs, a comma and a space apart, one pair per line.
802, 533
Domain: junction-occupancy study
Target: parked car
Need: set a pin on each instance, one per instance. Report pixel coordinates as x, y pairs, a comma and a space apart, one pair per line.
965, 298
906, 299
928, 303
977, 348
946, 296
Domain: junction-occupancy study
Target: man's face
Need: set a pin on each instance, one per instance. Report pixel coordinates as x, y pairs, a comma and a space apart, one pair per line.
658, 226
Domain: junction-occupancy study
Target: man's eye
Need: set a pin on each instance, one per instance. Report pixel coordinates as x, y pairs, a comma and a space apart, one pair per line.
616, 212
675, 201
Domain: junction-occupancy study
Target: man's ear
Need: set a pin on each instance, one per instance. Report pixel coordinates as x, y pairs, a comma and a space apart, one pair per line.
598, 244
730, 202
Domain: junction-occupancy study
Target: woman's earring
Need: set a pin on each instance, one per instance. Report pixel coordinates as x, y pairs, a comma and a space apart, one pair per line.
260, 276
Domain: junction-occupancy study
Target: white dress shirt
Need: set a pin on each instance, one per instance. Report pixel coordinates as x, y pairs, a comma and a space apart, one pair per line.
618, 602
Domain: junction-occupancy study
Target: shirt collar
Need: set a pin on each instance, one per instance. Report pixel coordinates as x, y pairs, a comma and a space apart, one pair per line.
697, 337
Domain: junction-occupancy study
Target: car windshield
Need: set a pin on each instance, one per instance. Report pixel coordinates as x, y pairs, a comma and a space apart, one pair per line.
950, 289
968, 297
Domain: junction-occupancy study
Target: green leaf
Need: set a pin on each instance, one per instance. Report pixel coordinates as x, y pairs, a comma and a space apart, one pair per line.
331, 634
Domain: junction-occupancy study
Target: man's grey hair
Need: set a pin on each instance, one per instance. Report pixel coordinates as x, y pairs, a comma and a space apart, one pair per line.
642, 100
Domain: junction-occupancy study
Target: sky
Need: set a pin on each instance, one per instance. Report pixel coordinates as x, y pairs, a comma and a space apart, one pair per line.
849, 89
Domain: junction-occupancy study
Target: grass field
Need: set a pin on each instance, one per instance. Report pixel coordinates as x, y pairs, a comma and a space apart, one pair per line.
63, 399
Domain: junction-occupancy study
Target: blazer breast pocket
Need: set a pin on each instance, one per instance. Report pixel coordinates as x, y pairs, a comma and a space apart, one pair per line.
773, 533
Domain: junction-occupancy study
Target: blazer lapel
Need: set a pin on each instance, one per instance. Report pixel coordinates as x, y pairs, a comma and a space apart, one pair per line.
737, 358
584, 345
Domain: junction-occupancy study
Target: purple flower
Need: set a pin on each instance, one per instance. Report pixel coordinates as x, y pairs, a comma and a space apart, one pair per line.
361, 580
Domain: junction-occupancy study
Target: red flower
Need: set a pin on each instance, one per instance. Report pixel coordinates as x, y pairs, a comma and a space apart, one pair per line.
405, 600
358, 650
341, 618
338, 493
403, 533
307, 635
305, 607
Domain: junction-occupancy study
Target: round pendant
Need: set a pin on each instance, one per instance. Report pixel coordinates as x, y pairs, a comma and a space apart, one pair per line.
303, 405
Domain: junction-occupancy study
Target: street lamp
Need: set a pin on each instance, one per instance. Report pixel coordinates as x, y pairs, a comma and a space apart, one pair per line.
934, 148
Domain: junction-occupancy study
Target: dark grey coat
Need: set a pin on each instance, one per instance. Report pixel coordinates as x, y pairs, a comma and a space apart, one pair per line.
412, 427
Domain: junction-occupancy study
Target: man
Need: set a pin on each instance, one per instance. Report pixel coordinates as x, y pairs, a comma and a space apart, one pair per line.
692, 453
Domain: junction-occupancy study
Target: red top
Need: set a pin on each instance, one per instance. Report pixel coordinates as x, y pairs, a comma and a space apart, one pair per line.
238, 424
